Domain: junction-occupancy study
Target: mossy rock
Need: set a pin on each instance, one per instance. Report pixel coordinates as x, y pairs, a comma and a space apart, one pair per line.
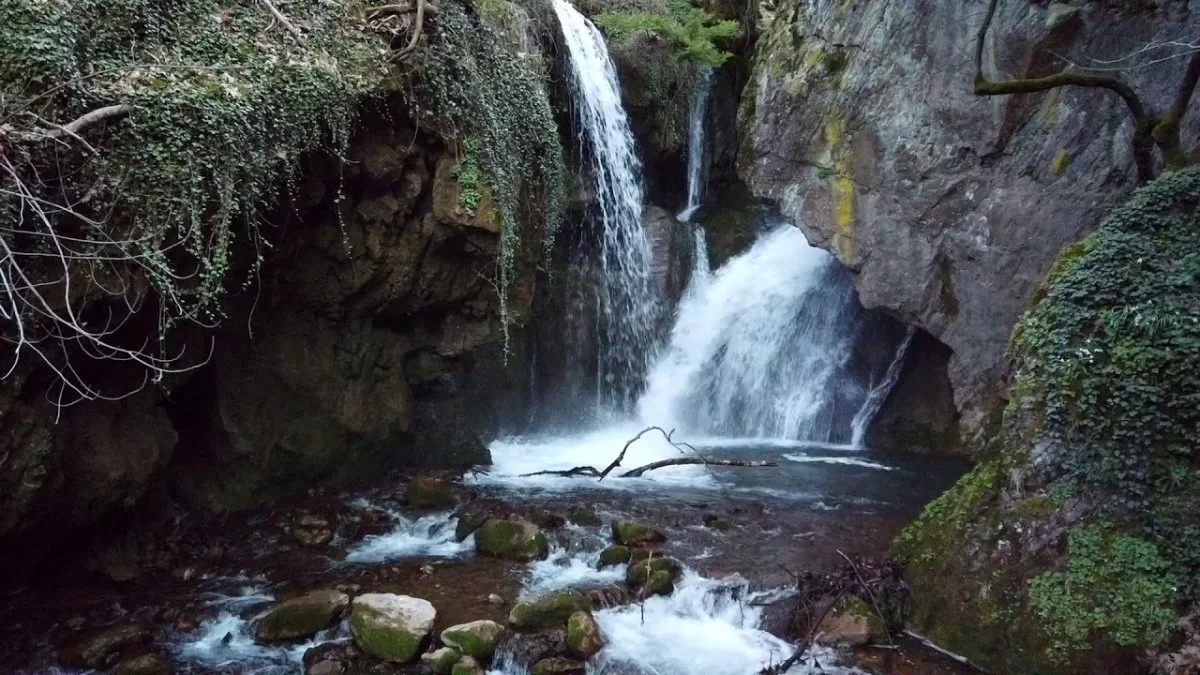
614, 555
427, 492
628, 533
301, 617
659, 583
583, 635
146, 664
512, 538
549, 610
545, 519
467, 666
477, 638
472, 515
639, 572
851, 623
441, 661
391, 627
558, 666
584, 516
717, 523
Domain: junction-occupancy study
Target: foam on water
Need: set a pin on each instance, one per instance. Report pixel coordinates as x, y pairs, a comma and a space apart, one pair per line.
226, 641
846, 461
428, 536
569, 568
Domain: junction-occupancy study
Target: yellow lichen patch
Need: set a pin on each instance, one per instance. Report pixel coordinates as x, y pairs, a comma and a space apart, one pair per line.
1051, 108
841, 184
1059, 163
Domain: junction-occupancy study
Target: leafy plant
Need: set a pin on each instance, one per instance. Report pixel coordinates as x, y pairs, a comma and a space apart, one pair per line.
692, 31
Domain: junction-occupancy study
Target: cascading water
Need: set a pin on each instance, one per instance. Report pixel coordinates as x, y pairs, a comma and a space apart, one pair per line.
630, 303
697, 155
879, 393
763, 349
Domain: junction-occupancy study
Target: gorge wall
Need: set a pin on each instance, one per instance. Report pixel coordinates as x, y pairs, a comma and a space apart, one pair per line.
859, 120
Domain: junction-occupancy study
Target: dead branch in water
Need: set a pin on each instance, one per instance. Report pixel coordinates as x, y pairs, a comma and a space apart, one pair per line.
593, 472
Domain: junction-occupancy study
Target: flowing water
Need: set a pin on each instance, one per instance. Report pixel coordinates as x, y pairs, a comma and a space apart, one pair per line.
630, 304
879, 393
697, 153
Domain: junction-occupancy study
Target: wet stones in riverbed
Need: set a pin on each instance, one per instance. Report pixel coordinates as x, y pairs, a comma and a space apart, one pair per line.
391, 627
102, 649
467, 666
472, 515
549, 610
615, 555
583, 516
477, 638
427, 492
655, 575
311, 528
442, 660
628, 533
511, 538
558, 666
851, 623
303, 616
146, 664
583, 635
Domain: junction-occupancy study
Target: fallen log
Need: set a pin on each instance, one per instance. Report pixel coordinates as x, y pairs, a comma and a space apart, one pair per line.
680, 461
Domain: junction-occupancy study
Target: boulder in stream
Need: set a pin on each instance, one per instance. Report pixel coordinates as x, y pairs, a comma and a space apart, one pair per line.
477, 638
628, 533
614, 555
583, 516
512, 538
851, 623
391, 627
146, 664
427, 492
101, 649
441, 661
303, 616
558, 666
639, 572
311, 528
472, 515
549, 610
467, 666
583, 635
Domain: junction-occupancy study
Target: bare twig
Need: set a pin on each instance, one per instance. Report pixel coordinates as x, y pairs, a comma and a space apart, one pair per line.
96, 116
870, 594
617, 462
803, 647
282, 19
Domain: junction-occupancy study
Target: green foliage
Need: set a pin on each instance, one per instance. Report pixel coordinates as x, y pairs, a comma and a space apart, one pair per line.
1113, 584
693, 32
947, 516
472, 88
470, 182
224, 102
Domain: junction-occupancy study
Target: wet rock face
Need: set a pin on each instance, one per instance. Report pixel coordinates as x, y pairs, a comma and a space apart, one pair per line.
391, 627
948, 208
303, 616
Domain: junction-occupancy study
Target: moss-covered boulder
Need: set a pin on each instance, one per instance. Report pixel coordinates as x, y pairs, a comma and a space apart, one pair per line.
441, 661
102, 649
146, 664
549, 610
472, 515
583, 635
391, 627
558, 666
427, 492
851, 623
614, 555
629, 533
477, 638
467, 665
1073, 547
583, 516
512, 538
301, 617
640, 571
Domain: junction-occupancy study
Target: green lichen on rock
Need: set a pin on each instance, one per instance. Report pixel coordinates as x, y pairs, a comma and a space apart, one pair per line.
1078, 542
550, 610
615, 555
441, 661
628, 533
427, 492
391, 627
640, 571
583, 635
512, 538
477, 638
303, 616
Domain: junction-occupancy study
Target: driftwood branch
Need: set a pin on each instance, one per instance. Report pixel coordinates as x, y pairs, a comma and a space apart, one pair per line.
680, 461
617, 462
282, 19
74, 127
418, 25
577, 471
803, 647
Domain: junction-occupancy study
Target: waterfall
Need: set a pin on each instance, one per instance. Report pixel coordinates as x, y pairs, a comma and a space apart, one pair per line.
701, 270
696, 151
630, 305
763, 349
879, 393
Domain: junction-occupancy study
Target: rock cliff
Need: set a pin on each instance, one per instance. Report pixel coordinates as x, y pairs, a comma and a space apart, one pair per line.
859, 120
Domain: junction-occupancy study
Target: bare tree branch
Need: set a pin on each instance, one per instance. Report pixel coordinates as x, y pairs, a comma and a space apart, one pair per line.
617, 462
682, 461
282, 19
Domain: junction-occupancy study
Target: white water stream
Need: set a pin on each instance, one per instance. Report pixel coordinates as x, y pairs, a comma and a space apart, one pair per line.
697, 153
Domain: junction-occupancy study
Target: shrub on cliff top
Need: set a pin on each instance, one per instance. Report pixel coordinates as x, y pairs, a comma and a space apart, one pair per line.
692, 32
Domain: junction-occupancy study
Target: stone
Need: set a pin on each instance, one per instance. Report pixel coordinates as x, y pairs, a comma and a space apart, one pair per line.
614, 555
427, 492
629, 533
442, 660
529, 647
448, 206
472, 515
558, 666
391, 627
302, 617
311, 528
717, 523
549, 610
101, 649
467, 666
547, 520
583, 635
583, 516
477, 638
146, 664
327, 667
511, 538
494, 599
639, 572
660, 583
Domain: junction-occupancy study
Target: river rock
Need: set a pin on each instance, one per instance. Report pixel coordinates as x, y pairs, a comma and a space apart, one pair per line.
614, 555
427, 492
549, 610
441, 661
640, 571
583, 635
146, 664
558, 666
527, 648
311, 528
391, 627
545, 519
583, 516
467, 666
851, 624
101, 649
660, 583
477, 638
472, 515
326, 667
717, 522
303, 616
512, 538
629, 533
